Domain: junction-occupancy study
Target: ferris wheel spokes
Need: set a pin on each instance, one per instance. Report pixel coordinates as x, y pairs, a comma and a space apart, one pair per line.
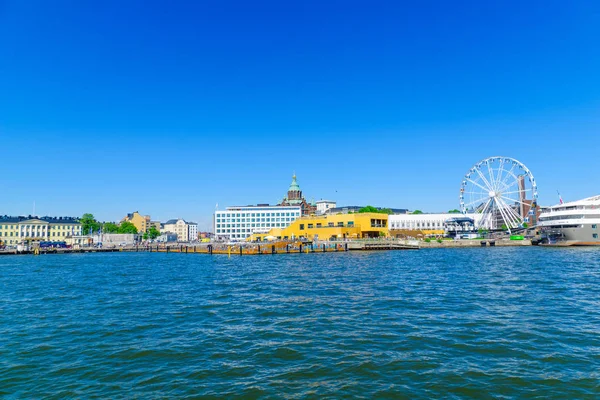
515, 200
500, 170
508, 175
516, 219
477, 184
489, 188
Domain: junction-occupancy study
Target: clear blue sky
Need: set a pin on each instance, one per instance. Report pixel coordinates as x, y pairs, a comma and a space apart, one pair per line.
171, 107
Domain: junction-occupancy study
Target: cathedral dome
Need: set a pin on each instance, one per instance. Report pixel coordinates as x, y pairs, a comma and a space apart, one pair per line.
294, 185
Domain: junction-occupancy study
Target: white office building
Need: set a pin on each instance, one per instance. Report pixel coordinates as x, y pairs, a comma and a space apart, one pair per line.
192, 231
238, 223
324, 205
427, 222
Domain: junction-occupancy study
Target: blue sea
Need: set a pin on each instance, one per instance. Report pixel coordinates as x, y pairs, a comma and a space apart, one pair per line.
435, 323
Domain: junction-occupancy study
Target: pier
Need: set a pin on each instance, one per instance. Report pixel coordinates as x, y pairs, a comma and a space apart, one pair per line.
241, 249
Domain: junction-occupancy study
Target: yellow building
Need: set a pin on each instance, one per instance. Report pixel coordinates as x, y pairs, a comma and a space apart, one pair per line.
141, 222
327, 227
24, 230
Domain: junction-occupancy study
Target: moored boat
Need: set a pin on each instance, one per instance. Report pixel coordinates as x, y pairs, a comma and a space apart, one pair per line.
571, 224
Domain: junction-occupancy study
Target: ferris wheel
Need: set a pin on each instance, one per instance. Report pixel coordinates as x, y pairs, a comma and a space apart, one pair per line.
501, 190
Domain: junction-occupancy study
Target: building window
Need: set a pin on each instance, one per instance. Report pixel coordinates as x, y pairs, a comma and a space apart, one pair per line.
330, 224
340, 224
310, 226
595, 236
594, 226
301, 227
319, 225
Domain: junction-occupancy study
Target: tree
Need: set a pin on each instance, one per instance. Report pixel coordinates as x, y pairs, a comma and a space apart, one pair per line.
110, 227
455, 211
371, 209
525, 225
88, 222
368, 209
417, 212
127, 227
153, 233
504, 227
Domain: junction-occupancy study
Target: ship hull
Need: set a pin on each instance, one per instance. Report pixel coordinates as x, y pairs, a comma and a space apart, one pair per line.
581, 235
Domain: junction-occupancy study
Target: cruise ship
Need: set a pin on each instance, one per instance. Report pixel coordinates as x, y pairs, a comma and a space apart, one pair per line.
571, 224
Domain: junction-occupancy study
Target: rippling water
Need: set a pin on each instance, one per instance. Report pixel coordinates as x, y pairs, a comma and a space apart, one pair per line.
481, 323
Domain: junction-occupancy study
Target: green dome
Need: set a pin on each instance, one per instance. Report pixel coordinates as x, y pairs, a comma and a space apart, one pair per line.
294, 185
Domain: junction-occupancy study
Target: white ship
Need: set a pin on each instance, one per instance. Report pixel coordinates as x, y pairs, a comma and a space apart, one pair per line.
571, 224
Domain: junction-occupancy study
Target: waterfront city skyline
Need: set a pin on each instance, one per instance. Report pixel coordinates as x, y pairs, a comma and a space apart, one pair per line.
171, 111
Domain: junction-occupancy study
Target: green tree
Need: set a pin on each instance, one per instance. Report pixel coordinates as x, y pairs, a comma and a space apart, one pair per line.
89, 222
153, 233
110, 227
127, 227
371, 209
525, 225
417, 212
455, 211
504, 227
368, 209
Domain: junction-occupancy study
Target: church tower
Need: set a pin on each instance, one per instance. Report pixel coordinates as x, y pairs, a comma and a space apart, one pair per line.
294, 198
294, 192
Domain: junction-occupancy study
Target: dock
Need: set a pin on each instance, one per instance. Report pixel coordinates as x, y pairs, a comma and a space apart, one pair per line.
242, 249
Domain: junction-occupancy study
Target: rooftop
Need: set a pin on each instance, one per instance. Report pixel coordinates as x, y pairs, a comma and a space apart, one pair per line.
52, 220
356, 208
234, 208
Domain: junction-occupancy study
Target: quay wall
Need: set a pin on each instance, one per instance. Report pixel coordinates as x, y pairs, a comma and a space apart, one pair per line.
474, 243
284, 247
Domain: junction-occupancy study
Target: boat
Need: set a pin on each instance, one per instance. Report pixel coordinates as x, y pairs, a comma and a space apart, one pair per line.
571, 224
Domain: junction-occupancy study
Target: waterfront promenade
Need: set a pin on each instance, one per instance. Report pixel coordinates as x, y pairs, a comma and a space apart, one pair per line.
241, 249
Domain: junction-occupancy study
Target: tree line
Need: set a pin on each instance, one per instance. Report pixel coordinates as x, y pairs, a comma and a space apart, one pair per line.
89, 223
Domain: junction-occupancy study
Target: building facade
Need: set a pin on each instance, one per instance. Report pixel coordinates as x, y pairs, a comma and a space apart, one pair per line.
167, 238
185, 231
141, 222
295, 198
330, 226
22, 230
192, 231
116, 239
239, 223
325, 205
428, 223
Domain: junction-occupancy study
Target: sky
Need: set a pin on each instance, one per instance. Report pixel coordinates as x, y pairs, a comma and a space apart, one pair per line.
170, 108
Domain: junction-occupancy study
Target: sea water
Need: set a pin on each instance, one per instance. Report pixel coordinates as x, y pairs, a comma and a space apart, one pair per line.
434, 323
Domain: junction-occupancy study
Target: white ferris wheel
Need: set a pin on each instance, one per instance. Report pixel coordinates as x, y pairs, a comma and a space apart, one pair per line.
502, 190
